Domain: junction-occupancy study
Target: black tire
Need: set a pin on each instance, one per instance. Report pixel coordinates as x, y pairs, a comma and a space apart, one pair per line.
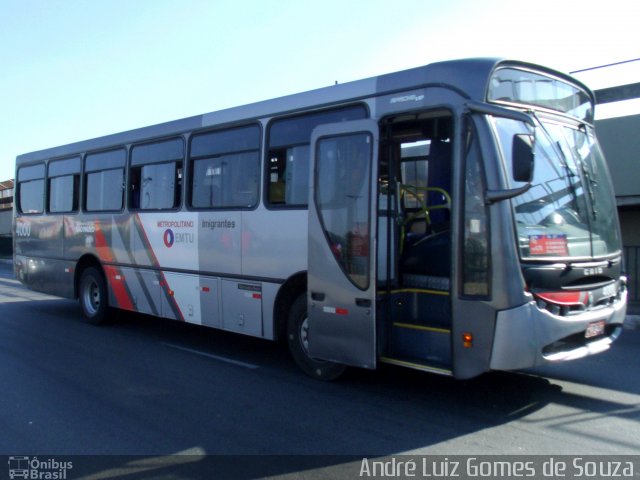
93, 296
298, 341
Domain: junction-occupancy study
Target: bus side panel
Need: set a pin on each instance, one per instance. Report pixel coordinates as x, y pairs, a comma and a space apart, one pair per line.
52, 276
192, 298
220, 242
274, 243
165, 240
190, 241
142, 286
182, 296
38, 250
242, 307
477, 319
105, 236
210, 301
39, 236
79, 237
235, 305
269, 294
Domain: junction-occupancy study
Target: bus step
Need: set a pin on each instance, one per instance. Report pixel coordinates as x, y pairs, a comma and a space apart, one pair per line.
416, 307
417, 364
430, 344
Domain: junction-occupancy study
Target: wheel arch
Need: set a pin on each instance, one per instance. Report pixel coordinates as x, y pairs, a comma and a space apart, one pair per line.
84, 262
291, 289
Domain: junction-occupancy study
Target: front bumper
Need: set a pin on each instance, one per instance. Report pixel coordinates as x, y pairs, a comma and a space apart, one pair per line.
527, 336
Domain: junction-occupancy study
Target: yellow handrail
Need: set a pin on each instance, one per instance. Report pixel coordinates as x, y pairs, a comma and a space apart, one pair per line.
416, 192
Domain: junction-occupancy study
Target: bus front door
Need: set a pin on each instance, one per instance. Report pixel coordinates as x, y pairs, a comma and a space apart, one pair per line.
341, 249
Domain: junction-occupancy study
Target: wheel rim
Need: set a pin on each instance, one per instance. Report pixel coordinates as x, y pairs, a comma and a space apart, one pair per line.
91, 297
304, 335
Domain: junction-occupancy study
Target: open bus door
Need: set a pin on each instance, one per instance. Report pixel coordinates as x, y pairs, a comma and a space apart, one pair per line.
342, 243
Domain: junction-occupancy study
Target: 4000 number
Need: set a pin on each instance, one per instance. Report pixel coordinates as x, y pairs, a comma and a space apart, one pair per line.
23, 229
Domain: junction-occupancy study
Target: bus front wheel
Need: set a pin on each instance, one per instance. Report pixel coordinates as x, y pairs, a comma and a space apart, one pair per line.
298, 339
93, 296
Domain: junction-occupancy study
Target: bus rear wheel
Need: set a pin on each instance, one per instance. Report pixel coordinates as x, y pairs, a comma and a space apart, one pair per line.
93, 296
298, 340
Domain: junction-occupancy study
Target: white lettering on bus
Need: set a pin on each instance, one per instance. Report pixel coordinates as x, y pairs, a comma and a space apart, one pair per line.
213, 224
407, 98
175, 223
23, 229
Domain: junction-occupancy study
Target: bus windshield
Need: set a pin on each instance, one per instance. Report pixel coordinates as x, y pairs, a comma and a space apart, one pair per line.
524, 87
569, 211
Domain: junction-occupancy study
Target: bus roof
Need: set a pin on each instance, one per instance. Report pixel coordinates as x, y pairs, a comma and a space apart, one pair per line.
468, 77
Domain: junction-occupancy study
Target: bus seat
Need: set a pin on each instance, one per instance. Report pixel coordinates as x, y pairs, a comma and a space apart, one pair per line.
428, 255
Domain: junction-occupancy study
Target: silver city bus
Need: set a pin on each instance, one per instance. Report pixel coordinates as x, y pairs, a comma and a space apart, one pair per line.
454, 218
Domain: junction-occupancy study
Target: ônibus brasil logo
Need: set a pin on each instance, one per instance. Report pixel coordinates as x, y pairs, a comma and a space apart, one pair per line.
169, 238
34, 468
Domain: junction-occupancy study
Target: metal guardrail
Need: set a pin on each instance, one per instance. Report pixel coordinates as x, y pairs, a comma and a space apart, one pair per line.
632, 267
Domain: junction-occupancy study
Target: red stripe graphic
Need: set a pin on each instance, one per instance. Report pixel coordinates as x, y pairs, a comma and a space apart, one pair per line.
154, 260
117, 285
116, 282
102, 249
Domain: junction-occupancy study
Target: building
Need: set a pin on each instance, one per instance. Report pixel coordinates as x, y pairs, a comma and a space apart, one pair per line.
6, 212
620, 140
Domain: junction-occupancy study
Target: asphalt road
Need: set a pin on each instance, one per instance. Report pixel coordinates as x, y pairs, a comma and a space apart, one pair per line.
144, 386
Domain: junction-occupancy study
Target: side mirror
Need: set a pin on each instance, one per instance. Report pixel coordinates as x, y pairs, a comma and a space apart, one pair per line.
522, 157
522, 162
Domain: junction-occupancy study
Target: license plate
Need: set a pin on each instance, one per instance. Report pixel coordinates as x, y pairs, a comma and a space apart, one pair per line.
594, 329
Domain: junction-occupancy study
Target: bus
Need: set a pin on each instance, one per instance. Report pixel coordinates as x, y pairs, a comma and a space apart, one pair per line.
454, 218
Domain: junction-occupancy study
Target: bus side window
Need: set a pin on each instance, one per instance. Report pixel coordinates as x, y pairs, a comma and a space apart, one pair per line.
476, 254
225, 168
31, 189
63, 194
178, 189
104, 186
154, 175
104, 190
277, 168
289, 176
64, 185
134, 196
289, 154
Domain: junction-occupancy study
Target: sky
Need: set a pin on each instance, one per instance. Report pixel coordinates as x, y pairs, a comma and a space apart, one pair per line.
77, 69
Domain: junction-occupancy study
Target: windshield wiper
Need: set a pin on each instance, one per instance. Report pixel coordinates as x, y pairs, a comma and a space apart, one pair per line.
569, 172
586, 173
562, 157
590, 184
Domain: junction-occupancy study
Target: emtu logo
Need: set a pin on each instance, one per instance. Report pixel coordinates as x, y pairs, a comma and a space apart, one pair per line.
169, 238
